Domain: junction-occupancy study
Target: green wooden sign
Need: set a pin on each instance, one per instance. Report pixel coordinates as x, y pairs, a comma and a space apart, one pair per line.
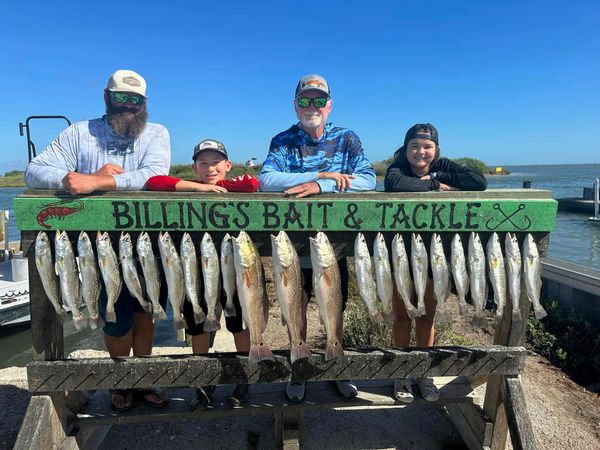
505, 210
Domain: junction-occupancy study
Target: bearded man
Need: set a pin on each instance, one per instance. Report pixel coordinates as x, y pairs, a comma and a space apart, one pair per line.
118, 151
310, 158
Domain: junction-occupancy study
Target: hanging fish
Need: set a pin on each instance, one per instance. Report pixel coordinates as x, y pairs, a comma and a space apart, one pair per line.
532, 272
228, 273
383, 277
497, 273
90, 277
441, 277
109, 269
66, 269
420, 265
458, 266
211, 273
191, 276
476, 261
45, 267
130, 273
513, 270
149, 265
174, 274
402, 277
364, 277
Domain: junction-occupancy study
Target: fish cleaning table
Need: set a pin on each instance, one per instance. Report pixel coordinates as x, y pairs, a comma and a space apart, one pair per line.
57, 380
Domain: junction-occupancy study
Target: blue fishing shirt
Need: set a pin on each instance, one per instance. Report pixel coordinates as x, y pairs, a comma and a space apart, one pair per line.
295, 158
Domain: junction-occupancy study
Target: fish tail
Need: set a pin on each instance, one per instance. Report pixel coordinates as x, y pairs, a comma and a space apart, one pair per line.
230, 309
299, 351
411, 311
211, 324
110, 316
439, 314
63, 315
539, 311
333, 350
462, 307
199, 315
479, 321
421, 311
516, 315
147, 306
259, 352
389, 317
80, 321
376, 316
179, 322
159, 313
93, 322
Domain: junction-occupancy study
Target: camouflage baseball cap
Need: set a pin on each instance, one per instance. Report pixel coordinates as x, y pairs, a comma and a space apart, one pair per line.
312, 82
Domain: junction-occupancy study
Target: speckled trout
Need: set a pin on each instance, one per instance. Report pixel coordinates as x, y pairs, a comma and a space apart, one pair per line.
68, 276
211, 274
441, 276
513, 270
173, 270
109, 269
497, 273
383, 277
130, 272
532, 272
458, 267
191, 276
90, 277
364, 277
253, 299
45, 267
292, 298
476, 261
228, 274
149, 265
402, 277
328, 292
420, 265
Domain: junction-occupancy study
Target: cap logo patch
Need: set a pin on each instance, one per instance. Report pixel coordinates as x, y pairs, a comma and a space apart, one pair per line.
208, 144
131, 81
315, 83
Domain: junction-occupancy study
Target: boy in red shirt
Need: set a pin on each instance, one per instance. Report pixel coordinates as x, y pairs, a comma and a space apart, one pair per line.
211, 164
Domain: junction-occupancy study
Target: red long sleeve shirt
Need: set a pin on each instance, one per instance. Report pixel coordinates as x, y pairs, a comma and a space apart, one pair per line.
243, 183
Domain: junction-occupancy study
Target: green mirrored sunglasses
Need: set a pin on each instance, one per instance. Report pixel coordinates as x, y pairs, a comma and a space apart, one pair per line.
121, 97
319, 102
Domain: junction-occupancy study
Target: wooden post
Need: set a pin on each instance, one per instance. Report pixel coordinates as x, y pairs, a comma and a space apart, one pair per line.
519, 423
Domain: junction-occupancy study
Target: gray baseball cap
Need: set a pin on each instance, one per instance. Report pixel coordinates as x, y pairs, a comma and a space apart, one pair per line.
312, 82
209, 145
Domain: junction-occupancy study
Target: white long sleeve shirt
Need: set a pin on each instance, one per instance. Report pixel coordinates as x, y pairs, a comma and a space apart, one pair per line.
86, 146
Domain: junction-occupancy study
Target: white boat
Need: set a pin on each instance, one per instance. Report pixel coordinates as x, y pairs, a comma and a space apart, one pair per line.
14, 295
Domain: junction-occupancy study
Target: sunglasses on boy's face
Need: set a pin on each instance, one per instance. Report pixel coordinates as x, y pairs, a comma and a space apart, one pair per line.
319, 102
121, 98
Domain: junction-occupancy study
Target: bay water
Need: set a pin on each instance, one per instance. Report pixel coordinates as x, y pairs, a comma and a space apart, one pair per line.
574, 239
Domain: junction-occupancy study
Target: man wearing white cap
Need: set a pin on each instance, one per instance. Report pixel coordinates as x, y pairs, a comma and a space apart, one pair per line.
117, 151
310, 158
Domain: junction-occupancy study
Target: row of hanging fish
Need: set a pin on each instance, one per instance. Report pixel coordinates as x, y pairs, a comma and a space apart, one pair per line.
508, 274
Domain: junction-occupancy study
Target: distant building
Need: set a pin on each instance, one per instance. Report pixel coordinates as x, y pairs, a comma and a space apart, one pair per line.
251, 162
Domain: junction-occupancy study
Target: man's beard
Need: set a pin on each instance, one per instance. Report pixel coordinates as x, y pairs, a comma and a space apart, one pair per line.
124, 124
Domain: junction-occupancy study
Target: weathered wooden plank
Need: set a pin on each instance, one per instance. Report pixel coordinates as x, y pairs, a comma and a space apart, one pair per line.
451, 212
519, 422
288, 428
230, 368
41, 427
471, 438
267, 399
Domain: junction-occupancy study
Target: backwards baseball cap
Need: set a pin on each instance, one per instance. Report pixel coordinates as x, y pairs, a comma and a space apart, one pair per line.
126, 81
312, 82
209, 145
421, 131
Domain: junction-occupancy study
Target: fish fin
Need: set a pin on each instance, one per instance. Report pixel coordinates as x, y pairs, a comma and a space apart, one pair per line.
159, 314
299, 351
199, 315
540, 312
333, 350
230, 309
260, 352
110, 316
80, 321
327, 279
462, 307
211, 324
247, 280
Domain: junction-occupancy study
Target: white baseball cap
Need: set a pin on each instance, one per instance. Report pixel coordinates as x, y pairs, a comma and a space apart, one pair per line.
126, 81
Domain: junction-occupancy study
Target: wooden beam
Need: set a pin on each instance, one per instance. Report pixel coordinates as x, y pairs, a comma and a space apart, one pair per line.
519, 423
231, 368
41, 427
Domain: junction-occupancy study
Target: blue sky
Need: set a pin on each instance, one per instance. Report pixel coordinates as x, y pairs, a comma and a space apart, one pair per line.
506, 82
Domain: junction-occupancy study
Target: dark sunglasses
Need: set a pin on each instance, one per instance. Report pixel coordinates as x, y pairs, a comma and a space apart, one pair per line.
319, 102
134, 99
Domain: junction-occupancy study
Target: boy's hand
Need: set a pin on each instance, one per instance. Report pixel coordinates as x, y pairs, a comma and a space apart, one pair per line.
209, 188
342, 180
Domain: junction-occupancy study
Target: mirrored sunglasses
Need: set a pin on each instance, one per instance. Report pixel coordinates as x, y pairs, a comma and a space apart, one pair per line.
319, 102
134, 99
